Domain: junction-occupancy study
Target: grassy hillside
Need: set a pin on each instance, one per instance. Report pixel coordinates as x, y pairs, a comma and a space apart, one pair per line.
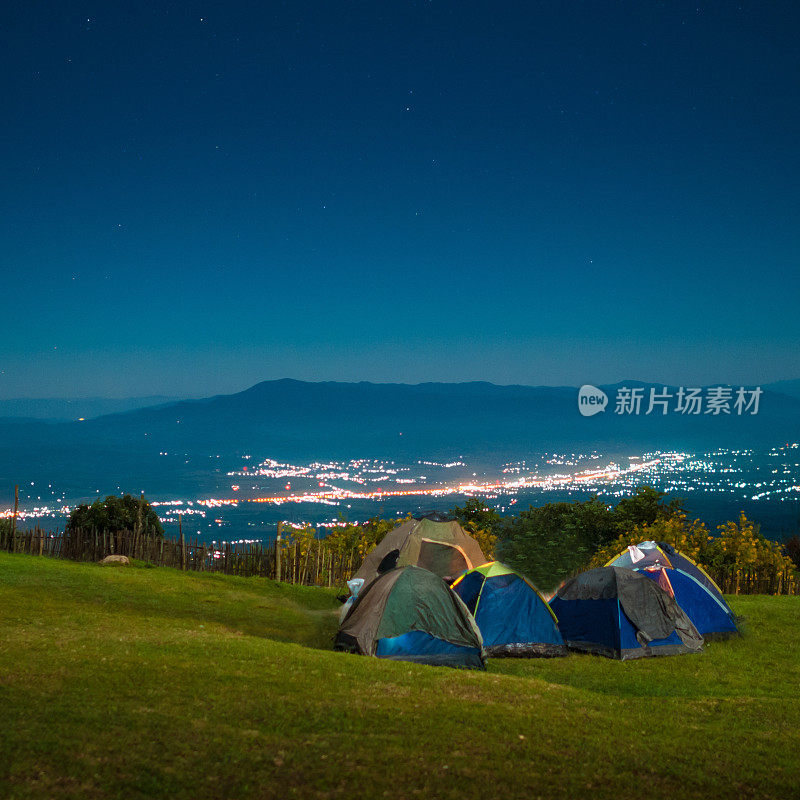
136, 682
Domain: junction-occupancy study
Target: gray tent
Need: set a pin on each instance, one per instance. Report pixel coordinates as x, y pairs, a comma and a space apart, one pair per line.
622, 614
410, 614
443, 547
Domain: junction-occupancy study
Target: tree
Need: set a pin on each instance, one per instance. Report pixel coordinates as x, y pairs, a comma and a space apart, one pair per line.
476, 514
125, 513
792, 548
644, 507
550, 542
741, 545
373, 531
481, 522
360, 538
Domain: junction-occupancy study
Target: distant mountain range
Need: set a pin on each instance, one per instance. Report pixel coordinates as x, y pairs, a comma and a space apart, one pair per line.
792, 388
295, 420
57, 409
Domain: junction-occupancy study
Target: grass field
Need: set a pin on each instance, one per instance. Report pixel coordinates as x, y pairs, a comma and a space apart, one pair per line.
135, 682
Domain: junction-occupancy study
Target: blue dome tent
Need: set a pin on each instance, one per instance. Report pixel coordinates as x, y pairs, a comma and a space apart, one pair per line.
689, 584
513, 617
712, 618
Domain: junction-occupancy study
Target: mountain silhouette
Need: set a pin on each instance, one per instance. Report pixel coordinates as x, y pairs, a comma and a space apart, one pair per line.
300, 421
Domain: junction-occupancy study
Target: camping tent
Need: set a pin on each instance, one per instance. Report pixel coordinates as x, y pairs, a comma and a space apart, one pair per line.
410, 614
660, 554
513, 617
619, 613
441, 546
712, 617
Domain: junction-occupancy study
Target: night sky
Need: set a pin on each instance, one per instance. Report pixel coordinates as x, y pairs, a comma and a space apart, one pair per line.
199, 196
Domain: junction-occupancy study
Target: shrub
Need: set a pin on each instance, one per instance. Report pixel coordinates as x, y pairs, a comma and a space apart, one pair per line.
125, 513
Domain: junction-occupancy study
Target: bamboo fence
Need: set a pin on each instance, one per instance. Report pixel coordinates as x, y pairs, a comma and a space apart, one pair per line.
315, 563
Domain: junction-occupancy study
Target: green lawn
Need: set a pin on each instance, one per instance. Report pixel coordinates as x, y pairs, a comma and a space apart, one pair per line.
136, 682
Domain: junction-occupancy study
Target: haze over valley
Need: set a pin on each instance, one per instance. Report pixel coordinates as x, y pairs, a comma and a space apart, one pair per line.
234, 465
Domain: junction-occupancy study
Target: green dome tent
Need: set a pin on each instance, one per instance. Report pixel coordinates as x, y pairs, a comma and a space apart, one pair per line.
439, 545
410, 614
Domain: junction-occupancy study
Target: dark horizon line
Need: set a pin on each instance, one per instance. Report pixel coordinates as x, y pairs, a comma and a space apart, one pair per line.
174, 397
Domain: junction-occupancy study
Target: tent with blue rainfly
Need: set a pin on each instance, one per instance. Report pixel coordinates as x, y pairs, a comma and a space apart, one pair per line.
513, 617
712, 618
690, 585
411, 614
620, 613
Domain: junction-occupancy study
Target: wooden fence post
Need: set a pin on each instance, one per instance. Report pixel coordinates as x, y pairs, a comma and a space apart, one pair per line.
14, 519
278, 553
181, 543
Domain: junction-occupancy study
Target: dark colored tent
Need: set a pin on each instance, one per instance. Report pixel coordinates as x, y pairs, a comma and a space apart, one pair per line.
712, 617
513, 617
443, 547
661, 554
410, 614
620, 613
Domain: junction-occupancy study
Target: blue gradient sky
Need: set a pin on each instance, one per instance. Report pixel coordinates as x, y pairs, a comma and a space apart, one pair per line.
206, 195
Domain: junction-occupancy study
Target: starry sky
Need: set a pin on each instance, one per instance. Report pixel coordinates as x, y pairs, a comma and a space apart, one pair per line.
199, 196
